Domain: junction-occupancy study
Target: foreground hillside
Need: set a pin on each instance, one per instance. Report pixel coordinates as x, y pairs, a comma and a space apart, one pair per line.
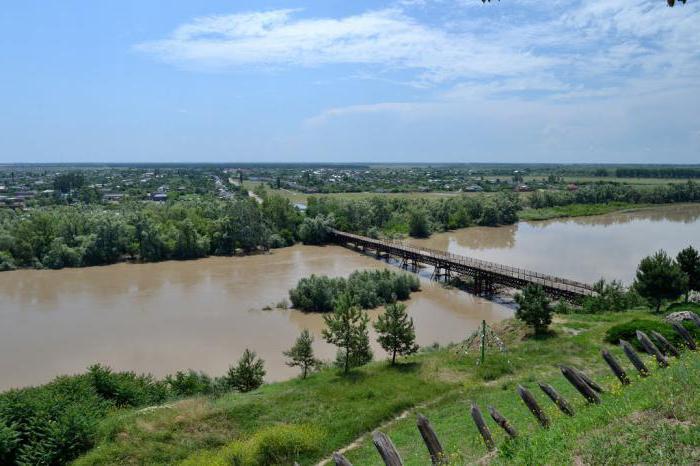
306, 420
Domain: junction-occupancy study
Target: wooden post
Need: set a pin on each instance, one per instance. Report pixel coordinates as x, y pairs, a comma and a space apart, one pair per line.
503, 422
634, 358
666, 346
532, 405
591, 383
483, 428
615, 367
651, 348
558, 400
386, 449
687, 337
340, 460
437, 454
579, 384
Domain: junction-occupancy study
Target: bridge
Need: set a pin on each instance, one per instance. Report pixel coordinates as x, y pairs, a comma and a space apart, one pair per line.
484, 274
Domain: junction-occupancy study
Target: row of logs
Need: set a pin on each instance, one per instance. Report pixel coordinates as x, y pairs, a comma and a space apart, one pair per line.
587, 387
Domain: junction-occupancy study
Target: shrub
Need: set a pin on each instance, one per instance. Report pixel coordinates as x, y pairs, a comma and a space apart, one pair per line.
248, 374
627, 331
275, 445
367, 288
126, 389
189, 383
534, 308
612, 297
315, 230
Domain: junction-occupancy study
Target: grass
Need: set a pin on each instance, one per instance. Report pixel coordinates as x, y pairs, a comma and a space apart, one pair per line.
577, 210
442, 383
653, 421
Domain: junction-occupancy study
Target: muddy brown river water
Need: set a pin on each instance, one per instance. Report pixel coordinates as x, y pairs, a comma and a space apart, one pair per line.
202, 314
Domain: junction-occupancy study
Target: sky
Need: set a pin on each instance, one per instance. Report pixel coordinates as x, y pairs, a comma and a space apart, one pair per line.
580, 81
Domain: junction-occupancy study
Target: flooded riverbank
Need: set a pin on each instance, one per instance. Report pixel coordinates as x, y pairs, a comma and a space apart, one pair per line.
579, 248
202, 314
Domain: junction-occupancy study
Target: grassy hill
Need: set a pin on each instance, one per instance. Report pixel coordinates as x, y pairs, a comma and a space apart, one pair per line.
306, 420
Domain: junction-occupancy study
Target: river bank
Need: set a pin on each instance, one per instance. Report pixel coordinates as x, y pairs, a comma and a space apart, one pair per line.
337, 409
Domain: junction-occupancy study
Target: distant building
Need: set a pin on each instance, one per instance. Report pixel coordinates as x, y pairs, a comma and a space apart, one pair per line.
159, 197
112, 197
475, 188
523, 188
572, 187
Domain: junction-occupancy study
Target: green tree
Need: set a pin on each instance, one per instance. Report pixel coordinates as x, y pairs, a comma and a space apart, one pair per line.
659, 278
302, 354
314, 230
397, 335
534, 308
347, 329
689, 262
418, 226
248, 374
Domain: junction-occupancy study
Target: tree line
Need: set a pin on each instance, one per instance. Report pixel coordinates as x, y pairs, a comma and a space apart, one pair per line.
658, 172
77, 236
601, 193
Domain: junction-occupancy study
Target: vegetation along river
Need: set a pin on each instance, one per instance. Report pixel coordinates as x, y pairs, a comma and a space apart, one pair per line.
202, 314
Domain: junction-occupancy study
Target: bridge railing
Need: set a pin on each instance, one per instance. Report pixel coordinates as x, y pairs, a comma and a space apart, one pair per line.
513, 272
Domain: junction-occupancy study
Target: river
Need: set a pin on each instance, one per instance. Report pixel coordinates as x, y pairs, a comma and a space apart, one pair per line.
202, 314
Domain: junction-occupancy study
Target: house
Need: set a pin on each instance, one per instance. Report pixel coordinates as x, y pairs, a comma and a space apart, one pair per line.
112, 197
159, 197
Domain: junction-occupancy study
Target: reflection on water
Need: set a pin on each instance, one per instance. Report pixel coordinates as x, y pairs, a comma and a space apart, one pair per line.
202, 314
583, 248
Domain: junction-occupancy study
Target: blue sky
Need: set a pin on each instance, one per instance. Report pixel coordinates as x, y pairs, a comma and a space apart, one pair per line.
360, 81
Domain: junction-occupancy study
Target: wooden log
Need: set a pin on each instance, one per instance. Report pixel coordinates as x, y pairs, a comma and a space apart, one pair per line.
386, 449
591, 383
685, 334
579, 384
533, 406
483, 428
695, 318
634, 358
666, 346
651, 348
437, 454
558, 400
340, 460
615, 367
502, 421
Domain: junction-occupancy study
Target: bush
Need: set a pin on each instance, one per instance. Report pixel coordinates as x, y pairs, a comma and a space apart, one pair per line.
248, 374
627, 331
189, 383
126, 389
275, 445
315, 230
368, 289
612, 297
534, 308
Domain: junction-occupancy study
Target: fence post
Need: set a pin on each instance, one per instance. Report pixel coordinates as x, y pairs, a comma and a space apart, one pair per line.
615, 367
437, 454
340, 460
680, 330
591, 383
558, 400
532, 405
483, 428
634, 358
502, 421
386, 449
584, 389
666, 345
651, 348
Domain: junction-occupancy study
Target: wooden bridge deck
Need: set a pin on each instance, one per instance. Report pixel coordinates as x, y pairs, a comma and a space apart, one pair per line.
484, 273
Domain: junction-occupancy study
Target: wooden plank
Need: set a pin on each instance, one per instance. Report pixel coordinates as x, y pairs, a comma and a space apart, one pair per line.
502, 422
591, 383
651, 348
666, 346
634, 358
340, 460
430, 438
687, 337
558, 400
386, 449
482, 427
615, 367
533, 406
579, 384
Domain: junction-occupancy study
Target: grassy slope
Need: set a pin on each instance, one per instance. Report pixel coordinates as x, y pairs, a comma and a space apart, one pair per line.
345, 407
653, 421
